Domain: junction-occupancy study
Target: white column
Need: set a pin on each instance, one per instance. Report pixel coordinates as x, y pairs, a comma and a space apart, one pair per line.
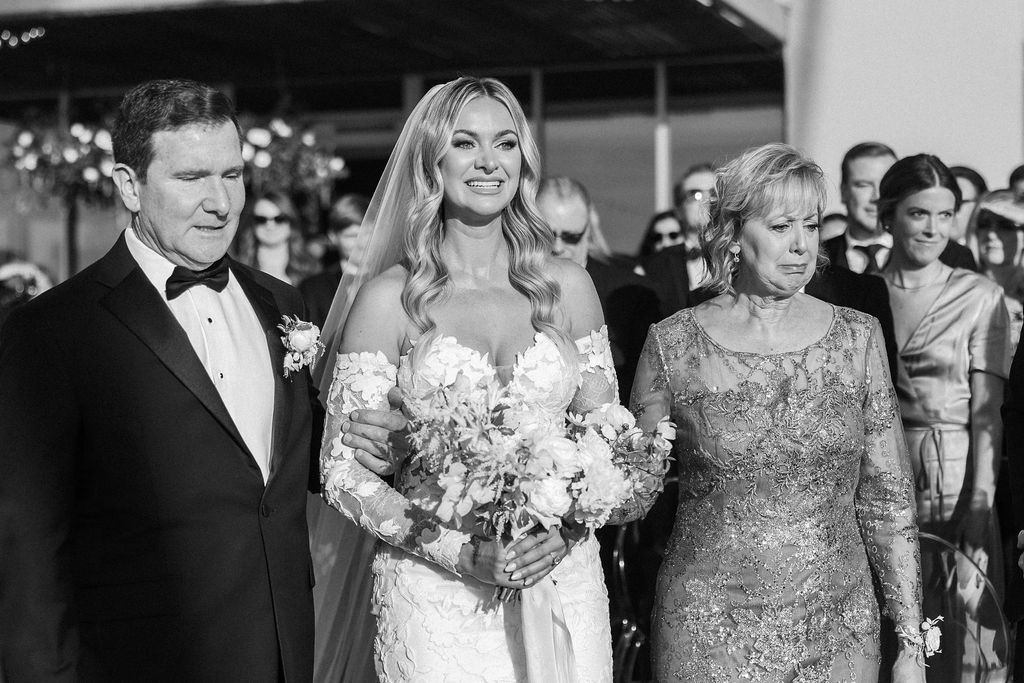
939, 76
537, 121
412, 91
662, 141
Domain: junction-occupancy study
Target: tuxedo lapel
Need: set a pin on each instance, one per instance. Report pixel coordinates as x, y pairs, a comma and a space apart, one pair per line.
135, 302
269, 315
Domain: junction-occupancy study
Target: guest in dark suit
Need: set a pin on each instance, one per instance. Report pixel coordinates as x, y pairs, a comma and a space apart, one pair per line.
628, 300
955, 255
343, 232
668, 273
864, 293
676, 271
155, 457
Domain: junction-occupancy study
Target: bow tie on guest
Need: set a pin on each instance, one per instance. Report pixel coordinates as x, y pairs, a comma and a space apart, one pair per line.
215, 277
870, 250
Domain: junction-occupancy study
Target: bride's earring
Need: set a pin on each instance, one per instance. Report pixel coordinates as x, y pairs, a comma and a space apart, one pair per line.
735, 251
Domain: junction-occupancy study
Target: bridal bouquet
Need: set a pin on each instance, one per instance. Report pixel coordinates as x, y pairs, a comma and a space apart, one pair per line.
511, 473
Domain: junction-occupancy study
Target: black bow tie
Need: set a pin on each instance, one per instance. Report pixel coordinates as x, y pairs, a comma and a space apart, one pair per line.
215, 277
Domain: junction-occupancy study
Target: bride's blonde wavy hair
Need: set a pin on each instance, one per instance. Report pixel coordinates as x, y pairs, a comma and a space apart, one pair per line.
527, 234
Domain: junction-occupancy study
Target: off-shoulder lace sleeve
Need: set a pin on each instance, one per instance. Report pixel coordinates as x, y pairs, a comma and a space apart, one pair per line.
598, 383
362, 380
648, 476
885, 496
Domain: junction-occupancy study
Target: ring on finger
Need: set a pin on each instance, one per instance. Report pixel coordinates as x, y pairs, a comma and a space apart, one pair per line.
555, 559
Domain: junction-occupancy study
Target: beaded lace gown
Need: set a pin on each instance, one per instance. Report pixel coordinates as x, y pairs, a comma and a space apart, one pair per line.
433, 624
793, 484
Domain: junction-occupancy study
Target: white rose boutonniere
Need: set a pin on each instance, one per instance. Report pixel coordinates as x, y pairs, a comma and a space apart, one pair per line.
301, 342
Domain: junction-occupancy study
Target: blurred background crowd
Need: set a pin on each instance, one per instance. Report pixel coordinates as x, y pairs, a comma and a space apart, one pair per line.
635, 104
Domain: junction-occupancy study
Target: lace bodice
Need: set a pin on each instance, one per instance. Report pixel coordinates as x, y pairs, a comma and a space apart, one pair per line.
541, 386
792, 470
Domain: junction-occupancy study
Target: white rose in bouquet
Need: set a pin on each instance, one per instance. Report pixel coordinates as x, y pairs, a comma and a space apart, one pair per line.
554, 456
547, 499
603, 488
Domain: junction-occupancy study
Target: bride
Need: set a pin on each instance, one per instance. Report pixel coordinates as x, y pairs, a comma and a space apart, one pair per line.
462, 280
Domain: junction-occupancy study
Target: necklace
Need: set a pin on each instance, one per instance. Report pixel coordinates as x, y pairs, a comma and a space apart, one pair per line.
940, 276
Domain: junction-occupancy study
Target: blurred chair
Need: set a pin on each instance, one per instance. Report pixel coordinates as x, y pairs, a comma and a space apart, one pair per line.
636, 557
975, 650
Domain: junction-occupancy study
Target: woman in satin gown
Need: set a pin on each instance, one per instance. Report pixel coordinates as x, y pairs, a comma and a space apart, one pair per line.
467, 292
952, 332
793, 475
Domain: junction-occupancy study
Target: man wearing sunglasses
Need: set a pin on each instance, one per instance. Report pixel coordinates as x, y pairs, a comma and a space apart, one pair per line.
678, 270
628, 301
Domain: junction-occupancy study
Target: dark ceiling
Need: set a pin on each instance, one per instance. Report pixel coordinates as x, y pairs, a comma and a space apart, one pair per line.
351, 54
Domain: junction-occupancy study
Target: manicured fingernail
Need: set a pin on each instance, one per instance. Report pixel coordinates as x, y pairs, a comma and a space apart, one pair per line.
511, 555
528, 581
344, 426
514, 577
510, 567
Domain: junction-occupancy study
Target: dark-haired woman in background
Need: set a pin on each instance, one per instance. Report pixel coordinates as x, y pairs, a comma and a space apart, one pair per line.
953, 339
269, 238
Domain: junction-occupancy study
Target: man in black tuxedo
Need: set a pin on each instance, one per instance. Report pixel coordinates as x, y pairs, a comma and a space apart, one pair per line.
628, 301
677, 271
866, 245
155, 458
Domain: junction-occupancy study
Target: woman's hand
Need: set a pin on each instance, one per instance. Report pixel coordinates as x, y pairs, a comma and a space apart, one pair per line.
485, 561
535, 555
909, 666
973, 533
520, 565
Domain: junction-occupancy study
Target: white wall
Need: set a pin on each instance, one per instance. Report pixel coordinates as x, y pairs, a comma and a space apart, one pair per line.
613, 156
938, 76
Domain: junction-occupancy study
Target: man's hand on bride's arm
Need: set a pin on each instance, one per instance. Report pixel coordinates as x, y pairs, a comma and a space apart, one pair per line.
378, 436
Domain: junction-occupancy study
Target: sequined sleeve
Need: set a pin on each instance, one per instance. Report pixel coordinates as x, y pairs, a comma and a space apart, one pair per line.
885, 496
362, 380
650, 401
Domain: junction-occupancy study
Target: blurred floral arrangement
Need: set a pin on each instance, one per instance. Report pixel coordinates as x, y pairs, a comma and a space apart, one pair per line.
282, 156
57, 163
278, 156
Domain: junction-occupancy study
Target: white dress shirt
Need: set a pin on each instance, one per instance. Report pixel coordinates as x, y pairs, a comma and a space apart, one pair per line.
231, 344
858, 260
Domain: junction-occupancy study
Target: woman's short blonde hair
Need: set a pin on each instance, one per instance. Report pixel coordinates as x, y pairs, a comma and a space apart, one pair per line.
759, 182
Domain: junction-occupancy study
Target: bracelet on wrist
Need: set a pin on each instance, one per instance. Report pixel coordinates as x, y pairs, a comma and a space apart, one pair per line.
923, 642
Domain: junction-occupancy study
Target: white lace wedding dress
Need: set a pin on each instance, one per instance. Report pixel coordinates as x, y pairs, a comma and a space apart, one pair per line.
433, 624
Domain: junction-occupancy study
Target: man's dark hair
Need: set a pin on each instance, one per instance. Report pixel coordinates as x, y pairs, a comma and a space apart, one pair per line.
971, 176
677, 189
160, 105
861, 150
1017, 175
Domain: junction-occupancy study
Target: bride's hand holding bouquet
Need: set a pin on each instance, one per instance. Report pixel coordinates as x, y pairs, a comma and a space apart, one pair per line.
529, 487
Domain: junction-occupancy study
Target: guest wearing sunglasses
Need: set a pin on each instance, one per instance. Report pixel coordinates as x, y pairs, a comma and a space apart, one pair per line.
628, 300
270, 239
678, 270
664, 230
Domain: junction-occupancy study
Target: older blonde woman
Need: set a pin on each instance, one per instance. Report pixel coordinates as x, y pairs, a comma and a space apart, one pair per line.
793, 474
